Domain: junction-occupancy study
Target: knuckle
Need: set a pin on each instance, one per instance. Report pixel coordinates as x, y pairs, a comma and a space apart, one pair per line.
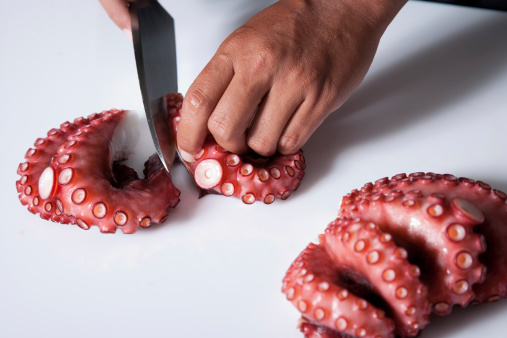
226, 135
233, 42
220, 128
290, 144
197, 100
256, 52
261, 59
264, 57
261, 146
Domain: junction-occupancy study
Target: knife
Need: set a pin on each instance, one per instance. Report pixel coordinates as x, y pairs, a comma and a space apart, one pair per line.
155, 52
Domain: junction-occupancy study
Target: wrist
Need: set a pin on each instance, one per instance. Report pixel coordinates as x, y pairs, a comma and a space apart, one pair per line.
375, 14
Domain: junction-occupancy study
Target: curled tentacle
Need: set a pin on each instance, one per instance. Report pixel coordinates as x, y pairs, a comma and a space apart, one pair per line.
85, 184
452, 231
473, 200
38, 159
248, 177
437, 237
361, 282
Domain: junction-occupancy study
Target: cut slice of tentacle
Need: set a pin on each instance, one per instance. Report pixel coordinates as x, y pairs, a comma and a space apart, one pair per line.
355, 280
247, 177
88, 188
436, 236
474, 200
37, 177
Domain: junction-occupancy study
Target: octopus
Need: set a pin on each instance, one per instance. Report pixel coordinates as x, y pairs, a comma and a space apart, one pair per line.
402, 249
75, 174
248, 177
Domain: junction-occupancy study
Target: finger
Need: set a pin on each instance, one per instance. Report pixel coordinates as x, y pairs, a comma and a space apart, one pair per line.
198, 104
271, 119
118, 11
300, 127
234, 112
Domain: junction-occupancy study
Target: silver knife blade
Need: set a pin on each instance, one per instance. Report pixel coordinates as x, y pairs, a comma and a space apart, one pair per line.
155, 52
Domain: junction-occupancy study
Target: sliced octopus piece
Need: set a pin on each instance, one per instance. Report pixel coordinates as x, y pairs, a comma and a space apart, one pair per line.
84, 180
475, 200
38, 159
356, 281
247, 177
437, 236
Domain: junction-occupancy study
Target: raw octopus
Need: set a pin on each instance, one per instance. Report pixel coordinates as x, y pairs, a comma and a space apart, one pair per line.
75, 174
248, 177
402, 249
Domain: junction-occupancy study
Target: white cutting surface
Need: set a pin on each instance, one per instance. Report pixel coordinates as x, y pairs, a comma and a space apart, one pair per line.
434, 100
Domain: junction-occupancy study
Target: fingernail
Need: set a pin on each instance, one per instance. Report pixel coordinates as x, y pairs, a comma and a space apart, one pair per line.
186, 156
128, 33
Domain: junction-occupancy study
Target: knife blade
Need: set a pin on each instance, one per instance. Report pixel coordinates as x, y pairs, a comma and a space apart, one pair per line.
155, 52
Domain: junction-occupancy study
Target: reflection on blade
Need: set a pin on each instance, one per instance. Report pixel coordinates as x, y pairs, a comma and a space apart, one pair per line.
160, 133
155, 51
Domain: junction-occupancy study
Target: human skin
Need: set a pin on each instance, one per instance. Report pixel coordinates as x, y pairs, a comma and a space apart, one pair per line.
275, 79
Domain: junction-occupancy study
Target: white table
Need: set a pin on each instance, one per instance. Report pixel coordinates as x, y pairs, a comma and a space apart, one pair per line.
434, 100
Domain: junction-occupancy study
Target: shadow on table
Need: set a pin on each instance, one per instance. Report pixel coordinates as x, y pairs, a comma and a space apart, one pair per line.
409, 91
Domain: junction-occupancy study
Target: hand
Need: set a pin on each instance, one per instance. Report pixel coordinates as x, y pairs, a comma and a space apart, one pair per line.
118, 11
275, 79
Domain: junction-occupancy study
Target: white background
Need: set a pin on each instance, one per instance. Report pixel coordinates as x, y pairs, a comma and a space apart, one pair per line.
434, 100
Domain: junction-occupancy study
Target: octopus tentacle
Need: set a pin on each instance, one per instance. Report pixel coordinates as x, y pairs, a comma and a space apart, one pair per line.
76, 171
310, 286
363, 247
452, 230
247, 177
85, 182
435, 234
477, 196
311, 330
37, 160
358, 255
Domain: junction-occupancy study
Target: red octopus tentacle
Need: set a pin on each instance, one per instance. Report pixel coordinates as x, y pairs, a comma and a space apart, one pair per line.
435, 234
459, 224
474, 195
386, 267
85, 182
311, 287
311, 330
247, 177
358, 255
37, 160
73, 176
